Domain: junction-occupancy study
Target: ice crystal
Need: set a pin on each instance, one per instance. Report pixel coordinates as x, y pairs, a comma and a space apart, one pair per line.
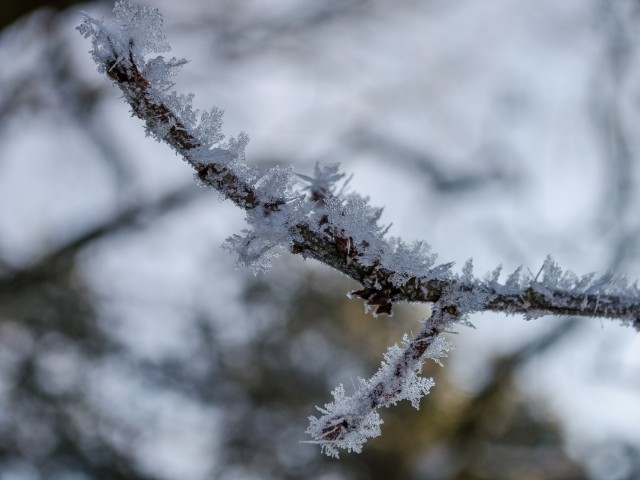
323, 182
129, 40
493, 277
351, 217
514, 281
269, 229
408, 261
343, 424
134, 32
467, 272
209, 126
439, 349
554, 279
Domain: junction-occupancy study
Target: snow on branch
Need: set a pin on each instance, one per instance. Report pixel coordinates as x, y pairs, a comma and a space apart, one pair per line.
319, 220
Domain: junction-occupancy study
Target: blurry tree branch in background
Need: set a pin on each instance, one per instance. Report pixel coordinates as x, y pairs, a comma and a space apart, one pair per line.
53, 424
614, 122
338, 230
15, 10
238, 35
60, 260
432, 169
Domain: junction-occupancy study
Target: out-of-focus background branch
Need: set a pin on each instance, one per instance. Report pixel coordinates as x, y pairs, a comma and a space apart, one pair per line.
130, 346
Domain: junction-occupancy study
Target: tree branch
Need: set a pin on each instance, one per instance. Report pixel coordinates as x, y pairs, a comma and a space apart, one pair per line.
341, 231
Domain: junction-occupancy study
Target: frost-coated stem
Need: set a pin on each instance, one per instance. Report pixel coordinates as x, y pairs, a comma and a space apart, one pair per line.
341, 231
348, 422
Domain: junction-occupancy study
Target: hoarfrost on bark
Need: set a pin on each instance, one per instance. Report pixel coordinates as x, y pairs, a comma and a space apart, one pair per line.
324, 222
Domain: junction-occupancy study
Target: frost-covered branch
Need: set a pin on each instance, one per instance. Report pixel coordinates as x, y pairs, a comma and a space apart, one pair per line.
340, 230
348, 422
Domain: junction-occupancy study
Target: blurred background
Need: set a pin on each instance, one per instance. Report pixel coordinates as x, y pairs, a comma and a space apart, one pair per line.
132, 348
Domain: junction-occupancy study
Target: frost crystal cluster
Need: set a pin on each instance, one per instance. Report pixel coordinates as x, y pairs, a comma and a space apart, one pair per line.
321, 221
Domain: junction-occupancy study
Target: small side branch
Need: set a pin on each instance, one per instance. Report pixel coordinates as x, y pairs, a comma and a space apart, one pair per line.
348, 422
